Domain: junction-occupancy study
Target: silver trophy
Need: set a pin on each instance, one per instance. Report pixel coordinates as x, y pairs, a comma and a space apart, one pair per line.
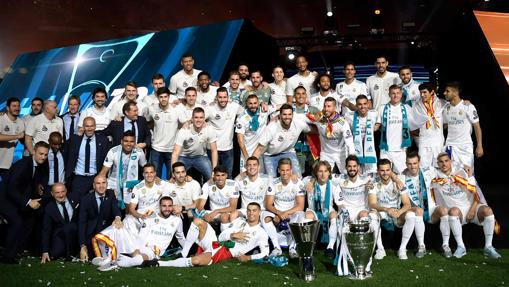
361, 241
305, 235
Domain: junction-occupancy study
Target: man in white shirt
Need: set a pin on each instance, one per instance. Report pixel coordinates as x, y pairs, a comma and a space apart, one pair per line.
323, 85
363, 123
393, 122
185, 194
98, 111
206, 93
185, 109
143, 199
379, 83
12, 129
278, 140
36, 109
431, 134
244, 77
166, 122
247, 235
130, 94
233, 89
350, 89
409, 86
221, 116
249, 127
459, 194
121, 166
460, 117
278, 87
185, 78
304, 78
157, 83
72, 117
41, 126
284, 201
191, 145
253, 185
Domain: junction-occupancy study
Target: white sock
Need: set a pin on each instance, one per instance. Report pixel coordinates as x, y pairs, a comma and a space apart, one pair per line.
457, 231
419, 230
271, 231
192, 236
333, 233
488, 226
408, 228
181, 262
224, 226
375, 225
445, 229
126, 261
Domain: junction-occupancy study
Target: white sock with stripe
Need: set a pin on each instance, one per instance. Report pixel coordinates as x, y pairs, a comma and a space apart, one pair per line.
180, 262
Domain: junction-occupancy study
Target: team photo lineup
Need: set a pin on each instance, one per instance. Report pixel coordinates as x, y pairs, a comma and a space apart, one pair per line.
199, 172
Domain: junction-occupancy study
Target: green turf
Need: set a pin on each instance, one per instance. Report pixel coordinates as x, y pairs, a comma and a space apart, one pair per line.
433, 270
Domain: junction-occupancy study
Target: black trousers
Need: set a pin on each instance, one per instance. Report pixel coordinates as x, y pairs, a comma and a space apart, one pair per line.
64, 241
19, 226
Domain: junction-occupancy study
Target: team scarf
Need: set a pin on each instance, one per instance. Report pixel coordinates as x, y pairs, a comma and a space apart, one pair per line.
234, 95
419, 197
406, 140
131, 173
364, 147
322, 212
254, 124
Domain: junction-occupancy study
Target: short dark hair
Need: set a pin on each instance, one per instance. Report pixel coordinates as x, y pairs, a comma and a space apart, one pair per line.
149, 164
348, 63
361, 97
255, 204
395, 87
413, 154
128, 133
74, 97
186, 55
383, 161
198, 110
331, 99
405, 67
285, 107
352, 157
203, 73
233, 73
427, 86
99, 90
127, 106
299, 87
37, 99
221, 90
221, 169
165, 198
132, 84
157, 76
455, 85
162, 90
253, 158
442, 154
12, 100
41, 144
190, 89
177, 164
251, 96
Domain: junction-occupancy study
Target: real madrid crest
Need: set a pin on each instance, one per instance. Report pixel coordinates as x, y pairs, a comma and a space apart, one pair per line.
6, 129
280, 138
156, 220
185, 85
245, 182
44, 129
460, 113
218, 117
214, 189
376, 87
156, 117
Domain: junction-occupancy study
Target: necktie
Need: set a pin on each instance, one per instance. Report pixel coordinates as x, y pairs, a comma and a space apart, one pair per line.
71, 128
133, 126
101, 200
66, 215
87, 156
55, 167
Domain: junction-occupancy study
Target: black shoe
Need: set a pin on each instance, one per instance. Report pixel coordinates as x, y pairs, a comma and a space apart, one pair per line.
7, 260
329, 253
175, 256
150, 263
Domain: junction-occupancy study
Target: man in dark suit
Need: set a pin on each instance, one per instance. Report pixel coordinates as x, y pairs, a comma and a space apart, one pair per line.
85, 156
72, 117
98, 210
20, 192
59, 225
130, 121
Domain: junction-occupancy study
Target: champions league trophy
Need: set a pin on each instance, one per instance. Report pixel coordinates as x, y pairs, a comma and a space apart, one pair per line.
305, 235
361, 241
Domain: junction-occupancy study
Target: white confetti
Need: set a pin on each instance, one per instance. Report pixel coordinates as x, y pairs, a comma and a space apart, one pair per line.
89, 278
476, 266
205, 276
440, 270
274, 274
29, 265
412, 271
49, 283
235, 278
484, 263
249, 282
464, 263
179, 274
101, 282
82, 272
85, 283
427, 266
225, 267
285, 283
287, 278
416, 277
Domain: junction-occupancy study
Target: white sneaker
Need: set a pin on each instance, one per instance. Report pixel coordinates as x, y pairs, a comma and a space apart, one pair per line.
108, 267
380, 254
293, 253
402, 254
421, 252
100, 261
276, 252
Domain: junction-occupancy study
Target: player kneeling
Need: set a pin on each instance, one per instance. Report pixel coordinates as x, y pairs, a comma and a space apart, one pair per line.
234, 242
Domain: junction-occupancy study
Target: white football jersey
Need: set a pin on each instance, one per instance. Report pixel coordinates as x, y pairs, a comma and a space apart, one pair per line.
278, 140
186, 194
253, 191
251, 137
297, 80
284, 196
394, 125
353, 194
181, 81
220, 198
387, 195
157, 232
206, 98
459, 120
341, 137
378, 88
223, 120
147, 198
257, 237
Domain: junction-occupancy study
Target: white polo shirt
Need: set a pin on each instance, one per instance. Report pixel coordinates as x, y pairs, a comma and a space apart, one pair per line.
284, 195
378, 87
102, 118
351, 92
40, 127
459, 120
181, 81
299, 80
387, 195
223, 120
279, 140
219, 198
195, 143
166, 124
8, 127
186, 194
206, 98
278, 93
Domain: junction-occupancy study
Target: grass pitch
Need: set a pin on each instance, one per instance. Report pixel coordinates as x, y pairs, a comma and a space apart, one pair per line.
433, 270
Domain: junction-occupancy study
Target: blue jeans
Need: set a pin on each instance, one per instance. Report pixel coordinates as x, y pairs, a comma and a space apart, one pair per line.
158, 159
224, 158
271, 161
201, 163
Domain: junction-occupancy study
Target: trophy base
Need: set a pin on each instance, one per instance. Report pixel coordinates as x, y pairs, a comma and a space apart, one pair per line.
360, 277
309, 277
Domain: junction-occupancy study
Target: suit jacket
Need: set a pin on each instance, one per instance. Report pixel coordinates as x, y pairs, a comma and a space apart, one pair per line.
76, 120
53, 220
20, 182
91, 219
116, 130
72, 152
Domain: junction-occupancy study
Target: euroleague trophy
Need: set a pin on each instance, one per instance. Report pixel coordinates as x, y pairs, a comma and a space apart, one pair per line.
305, 235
